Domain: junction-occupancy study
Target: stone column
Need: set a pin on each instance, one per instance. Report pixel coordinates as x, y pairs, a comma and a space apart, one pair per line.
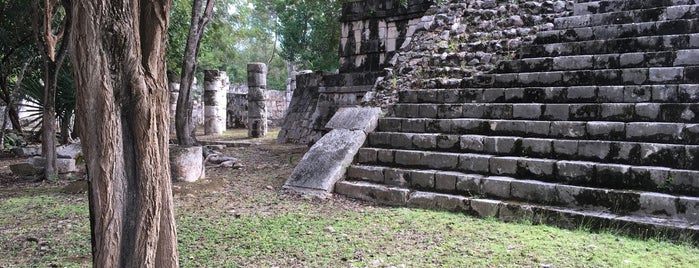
257, 110
215, 91
174, 89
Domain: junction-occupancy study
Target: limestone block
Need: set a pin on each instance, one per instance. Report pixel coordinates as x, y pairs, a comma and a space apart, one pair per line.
372, 192
26, 151
355, 118
534, 191
474, 163
497, 186
369, 173
325, 163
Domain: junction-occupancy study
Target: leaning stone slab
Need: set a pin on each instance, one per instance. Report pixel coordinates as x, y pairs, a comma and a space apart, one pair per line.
325, 163
355, 118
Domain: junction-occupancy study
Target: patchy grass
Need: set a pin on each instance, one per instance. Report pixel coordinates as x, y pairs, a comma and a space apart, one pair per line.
236, 217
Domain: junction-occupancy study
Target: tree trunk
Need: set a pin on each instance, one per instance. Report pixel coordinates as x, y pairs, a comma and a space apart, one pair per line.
53, 59
65, 129
48, 120
183, 117
122, 108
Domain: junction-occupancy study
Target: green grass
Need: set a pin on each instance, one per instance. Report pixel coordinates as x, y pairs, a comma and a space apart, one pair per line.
288, 231
410, 237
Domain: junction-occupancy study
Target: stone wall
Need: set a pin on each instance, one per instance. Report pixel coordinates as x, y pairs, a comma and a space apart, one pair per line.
372, 31
237, 111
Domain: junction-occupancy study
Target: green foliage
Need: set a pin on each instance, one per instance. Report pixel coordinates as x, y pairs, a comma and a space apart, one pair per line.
33, 91
310, 32
239, 32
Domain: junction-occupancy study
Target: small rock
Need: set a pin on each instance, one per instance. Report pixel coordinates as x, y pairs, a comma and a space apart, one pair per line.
329, 229
269, 187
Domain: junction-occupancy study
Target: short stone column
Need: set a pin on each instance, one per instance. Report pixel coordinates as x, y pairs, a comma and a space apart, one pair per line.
174, 89
215, 101
257, 110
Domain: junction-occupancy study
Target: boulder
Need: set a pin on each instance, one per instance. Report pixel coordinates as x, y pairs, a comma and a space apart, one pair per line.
71, 151
26, 170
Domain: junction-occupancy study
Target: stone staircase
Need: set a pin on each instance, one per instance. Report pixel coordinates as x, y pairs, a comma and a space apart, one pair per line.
595, 124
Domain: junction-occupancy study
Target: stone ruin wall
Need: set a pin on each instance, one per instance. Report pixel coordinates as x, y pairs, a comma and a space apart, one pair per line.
463, 38
372, 32
387, 47
237, 108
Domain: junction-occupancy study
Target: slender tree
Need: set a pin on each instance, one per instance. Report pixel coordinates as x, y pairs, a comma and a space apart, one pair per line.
53, 55
122, 107
201, 15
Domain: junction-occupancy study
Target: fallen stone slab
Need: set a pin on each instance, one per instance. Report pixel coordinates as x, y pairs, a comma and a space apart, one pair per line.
26, 170
325, 163
328, 159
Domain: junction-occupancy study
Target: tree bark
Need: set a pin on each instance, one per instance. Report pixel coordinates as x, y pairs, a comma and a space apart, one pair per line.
183, 117
119, 59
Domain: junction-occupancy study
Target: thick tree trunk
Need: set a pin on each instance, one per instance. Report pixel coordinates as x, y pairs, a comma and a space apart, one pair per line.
183, 118
122, 108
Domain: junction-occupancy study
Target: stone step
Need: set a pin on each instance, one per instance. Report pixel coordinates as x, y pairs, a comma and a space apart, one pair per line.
651, 132
579, 94
616, 112
676, 58
609, 6
656, 43
654, 14
601, 150
533, 191
611, 31
601, 77
644, 226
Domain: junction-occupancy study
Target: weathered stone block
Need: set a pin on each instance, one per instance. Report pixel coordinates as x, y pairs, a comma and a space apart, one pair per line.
367, 155
367, 173
476, 110
385, 156
372, 192
445, 181
656, 132
497, 186
474, 163
611, 94
472, 143
440, 160
486, 208
597, 150
448, 142
575, 171
408, 158
534, 191
536, 168
422, 179
396, 177
537, 147
501, 145
568, 129
606, 130
504, 166
565, 148
656, 204
556, 112
428, 141
526, 111
469, 184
